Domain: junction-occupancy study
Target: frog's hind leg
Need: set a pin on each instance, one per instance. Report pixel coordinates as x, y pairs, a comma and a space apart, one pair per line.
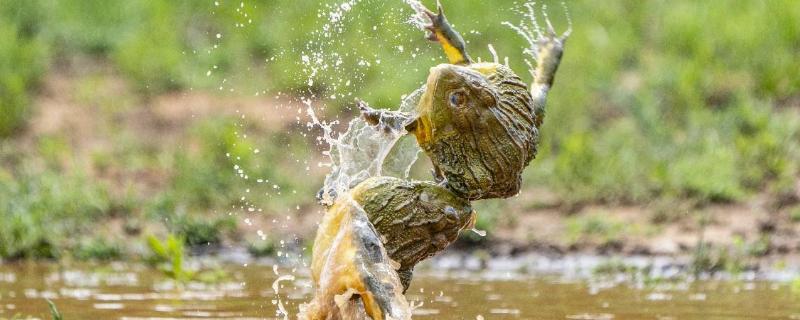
451, 41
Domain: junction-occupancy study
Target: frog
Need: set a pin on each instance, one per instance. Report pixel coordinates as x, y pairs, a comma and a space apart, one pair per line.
352, 273
415, 219
478, 122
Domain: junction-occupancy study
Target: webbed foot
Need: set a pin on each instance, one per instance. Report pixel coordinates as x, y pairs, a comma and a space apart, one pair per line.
405, 277
451, 41
546, 46
387, 121
546, 49
551, 48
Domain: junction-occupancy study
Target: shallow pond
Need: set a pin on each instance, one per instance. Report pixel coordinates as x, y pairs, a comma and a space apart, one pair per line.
120, 291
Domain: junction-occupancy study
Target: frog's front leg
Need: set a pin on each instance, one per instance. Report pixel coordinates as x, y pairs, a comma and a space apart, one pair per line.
405, 276
550, 50
451, 41
388, 121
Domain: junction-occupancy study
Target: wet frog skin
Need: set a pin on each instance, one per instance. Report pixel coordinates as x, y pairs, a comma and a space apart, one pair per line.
371, 238
478, 126
351, 270
416, 219
478, 122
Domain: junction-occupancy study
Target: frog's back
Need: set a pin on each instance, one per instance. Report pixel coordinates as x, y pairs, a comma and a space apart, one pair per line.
515, 108
416, 218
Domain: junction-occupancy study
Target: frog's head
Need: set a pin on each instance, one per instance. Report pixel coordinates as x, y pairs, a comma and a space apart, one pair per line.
477, 124
455, 101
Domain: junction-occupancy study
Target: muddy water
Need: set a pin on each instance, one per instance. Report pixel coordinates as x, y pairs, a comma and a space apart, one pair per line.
120, 291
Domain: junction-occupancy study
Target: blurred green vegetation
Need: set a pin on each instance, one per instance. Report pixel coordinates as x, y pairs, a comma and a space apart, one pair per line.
595, 228
168, 255
17, 82
32, 202
54, 313
655, 100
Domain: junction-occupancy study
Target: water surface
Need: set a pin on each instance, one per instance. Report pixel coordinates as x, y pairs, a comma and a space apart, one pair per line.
121, 291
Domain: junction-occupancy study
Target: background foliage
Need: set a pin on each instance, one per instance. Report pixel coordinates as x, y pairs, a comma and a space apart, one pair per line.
676, 101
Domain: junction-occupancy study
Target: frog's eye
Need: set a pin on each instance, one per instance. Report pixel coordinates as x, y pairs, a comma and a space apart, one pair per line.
457, 98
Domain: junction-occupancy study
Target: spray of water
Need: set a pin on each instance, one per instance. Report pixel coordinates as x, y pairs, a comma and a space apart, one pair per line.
360, 152
418, 19
276, 285
364, 150
530, 30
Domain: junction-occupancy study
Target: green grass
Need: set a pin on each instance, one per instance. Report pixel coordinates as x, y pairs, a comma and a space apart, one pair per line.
99, 249
168, 255
733, 259
262, 248
196, 231
46, 197
54, 313
21, 66
41, 210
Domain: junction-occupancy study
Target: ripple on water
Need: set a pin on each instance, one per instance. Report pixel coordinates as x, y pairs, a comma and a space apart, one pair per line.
659, 296
504, 311
108, 306
425, 312
591, 316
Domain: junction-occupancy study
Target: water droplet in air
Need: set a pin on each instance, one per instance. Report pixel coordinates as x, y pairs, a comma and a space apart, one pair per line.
481, 233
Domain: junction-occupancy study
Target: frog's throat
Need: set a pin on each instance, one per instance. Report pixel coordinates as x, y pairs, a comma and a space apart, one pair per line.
423, 130
422, 125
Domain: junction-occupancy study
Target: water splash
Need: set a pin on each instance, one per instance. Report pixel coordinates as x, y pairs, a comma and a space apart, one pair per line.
363, 150
276, 285
530, 30
418, 19
481, 233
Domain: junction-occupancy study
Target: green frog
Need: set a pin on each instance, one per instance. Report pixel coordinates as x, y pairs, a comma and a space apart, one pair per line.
478, 122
